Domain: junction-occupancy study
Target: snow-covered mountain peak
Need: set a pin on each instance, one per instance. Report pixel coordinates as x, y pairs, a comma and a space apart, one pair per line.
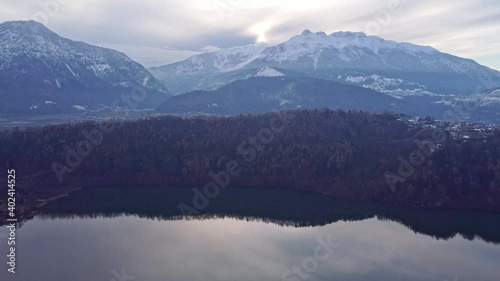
309, 32
309, 43
23, 30
345, 34
398, 67
35, 61
29, 44
25, 26
349, 46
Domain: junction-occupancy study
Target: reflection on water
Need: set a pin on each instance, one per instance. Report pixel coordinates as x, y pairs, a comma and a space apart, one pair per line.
84, 238
282, 207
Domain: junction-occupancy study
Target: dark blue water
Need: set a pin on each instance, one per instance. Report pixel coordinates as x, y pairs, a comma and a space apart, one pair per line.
125, 234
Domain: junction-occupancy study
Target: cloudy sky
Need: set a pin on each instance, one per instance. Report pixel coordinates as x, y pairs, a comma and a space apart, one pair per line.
156, 32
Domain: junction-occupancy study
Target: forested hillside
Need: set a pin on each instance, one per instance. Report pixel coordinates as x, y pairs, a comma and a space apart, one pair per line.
353, 155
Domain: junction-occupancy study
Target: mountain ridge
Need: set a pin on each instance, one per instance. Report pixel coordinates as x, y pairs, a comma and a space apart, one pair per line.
338, 56
275, 92
44, 72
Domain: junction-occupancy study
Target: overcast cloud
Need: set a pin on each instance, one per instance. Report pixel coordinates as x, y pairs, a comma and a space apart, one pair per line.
156, 32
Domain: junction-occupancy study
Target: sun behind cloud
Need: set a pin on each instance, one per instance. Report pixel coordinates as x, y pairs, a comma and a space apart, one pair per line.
260, 31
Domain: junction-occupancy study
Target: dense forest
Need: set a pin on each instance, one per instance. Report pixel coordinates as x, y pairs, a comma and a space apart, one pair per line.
352, 155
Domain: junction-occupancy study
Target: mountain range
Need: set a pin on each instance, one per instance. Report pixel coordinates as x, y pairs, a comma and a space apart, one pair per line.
423, 79
41, 72
397, 69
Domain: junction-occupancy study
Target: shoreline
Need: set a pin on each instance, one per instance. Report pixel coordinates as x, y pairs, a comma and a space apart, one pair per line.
33, 210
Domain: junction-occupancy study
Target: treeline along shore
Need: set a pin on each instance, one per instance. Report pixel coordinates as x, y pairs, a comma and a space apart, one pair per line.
350, 155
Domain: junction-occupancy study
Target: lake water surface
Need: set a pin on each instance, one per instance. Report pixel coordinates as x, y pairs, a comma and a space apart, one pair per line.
126, 233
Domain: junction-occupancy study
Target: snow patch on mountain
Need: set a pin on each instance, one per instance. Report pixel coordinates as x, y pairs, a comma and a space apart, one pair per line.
100, 69
397, 88
71, 70
491, 98
355, 80
79, 107
269, 72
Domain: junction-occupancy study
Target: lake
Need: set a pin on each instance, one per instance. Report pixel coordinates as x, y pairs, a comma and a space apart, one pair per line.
138, 233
